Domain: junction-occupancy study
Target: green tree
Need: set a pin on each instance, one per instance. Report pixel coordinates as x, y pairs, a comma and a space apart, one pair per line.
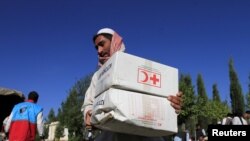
237, 98
201, 101
70, 115
59, 131
248, 95
215, 111
202, 95
189, 109
51, 116
60, 115
216, 95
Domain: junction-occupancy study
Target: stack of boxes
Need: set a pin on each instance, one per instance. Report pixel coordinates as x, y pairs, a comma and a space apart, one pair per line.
131, 96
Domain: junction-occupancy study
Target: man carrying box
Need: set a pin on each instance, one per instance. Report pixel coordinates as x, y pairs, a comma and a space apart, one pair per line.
107, 42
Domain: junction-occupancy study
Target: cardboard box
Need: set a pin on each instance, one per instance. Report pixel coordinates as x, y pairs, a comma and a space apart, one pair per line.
134, 113
126, 71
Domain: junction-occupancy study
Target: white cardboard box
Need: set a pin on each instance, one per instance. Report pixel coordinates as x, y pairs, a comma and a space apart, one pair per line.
126, 71
134, 113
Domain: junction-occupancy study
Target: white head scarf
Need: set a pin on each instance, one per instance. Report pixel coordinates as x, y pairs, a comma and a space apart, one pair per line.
116, 42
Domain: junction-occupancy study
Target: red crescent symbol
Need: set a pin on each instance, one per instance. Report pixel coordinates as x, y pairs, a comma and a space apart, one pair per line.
146, 76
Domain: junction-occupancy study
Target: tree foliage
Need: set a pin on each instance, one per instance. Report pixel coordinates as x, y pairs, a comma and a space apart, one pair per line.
237, 98
69, 114
201, 91
248, 95
59, 131
51, 116
187, 88
201, 101
189, 109
215, 110
216, 95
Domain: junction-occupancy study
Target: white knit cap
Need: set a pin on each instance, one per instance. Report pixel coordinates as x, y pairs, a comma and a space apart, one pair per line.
106, 30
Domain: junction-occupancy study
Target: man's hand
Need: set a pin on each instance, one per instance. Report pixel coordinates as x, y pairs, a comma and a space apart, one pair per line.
176, 102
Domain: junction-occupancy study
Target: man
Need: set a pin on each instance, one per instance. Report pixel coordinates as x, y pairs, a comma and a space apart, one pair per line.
25, 120
182, 135
228, 119
241, 119
247, 114
107, 42
200, 132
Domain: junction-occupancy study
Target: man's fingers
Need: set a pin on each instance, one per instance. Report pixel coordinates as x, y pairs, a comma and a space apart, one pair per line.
176, 102
177, 107
178, 111
175, 99
179, 94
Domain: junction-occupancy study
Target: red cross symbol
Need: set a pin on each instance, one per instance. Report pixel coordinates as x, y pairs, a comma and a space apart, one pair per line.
154, 79
149, 77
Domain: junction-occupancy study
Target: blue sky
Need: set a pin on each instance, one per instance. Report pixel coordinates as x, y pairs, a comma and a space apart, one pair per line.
46, 45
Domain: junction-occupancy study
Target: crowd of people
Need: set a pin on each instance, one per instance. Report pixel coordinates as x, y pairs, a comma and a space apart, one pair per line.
237, 119
184, 134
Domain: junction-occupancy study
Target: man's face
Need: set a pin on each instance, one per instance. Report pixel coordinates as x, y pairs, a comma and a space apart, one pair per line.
103, 48
248, 116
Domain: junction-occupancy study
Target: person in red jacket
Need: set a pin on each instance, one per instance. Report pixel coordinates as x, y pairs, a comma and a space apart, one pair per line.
25, 120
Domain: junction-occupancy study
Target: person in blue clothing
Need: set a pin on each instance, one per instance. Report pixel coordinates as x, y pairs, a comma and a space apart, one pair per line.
25, 120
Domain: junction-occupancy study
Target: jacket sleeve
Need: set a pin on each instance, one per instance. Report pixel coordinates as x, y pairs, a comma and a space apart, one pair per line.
7, 123
40, 124
89, 97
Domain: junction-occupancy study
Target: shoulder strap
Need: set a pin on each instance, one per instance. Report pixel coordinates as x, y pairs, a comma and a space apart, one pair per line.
228, 121
241, 120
